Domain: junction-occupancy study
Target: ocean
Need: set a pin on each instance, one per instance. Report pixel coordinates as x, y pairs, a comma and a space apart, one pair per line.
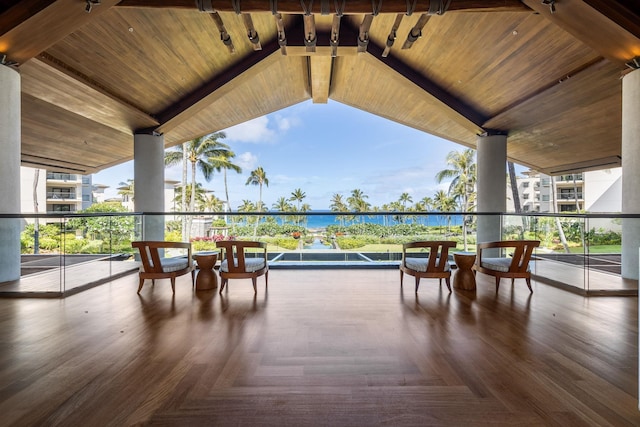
317, 219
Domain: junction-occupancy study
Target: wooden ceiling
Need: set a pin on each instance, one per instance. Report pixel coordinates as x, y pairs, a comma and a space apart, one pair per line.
549, 79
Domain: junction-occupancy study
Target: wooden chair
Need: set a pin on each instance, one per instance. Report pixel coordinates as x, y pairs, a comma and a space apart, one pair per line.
435, 266
156, 266
516, 267
237, 265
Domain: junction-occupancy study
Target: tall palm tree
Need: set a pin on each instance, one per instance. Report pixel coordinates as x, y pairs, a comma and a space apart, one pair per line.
425, 205
126, 189
211, 203
443, 203
338, 205
199, 195
258, 177
462, 170
403, 200
282, 205
198, 152
297, 196
357, 202
223, 163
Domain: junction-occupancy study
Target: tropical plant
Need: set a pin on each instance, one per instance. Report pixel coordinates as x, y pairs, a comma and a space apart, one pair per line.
462, 171
116, 229
357, 202
210, 203
127, 189
258, 177
338, 205
199, 195
198, 152
282, 205
223, 163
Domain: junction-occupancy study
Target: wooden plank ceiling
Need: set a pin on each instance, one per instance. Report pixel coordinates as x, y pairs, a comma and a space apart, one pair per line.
93, 73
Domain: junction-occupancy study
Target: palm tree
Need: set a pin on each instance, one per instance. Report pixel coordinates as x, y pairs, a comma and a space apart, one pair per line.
258, 177
357, 202
198, 152
223, 163
126, 190
36, 220
338, 205
199, 195
297, 196
403, 200
462, 170
425, 205
443, 203
211, 203
282, 205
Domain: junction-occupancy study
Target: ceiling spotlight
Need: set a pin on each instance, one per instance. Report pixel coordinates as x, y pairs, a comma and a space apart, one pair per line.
634, 63
552, 5
90, 4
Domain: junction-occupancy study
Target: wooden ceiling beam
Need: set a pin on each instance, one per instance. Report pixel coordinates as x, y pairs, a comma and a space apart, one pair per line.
351, 7
618, 29
474, 117
210, 91
320, 68
30, 27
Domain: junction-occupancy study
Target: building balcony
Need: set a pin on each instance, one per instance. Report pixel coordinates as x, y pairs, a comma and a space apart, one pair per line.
64, 177
62, 197
569, 196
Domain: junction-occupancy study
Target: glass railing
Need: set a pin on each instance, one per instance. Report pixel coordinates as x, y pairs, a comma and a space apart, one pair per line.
575, 251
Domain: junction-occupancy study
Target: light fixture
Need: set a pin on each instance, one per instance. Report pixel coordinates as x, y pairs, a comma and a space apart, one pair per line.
552, 5
634, 63
90, 4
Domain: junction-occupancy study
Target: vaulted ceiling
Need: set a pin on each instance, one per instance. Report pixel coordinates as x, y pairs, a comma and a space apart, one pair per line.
547, 73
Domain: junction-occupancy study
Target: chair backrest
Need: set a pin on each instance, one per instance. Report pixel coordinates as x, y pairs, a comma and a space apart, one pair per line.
151, 253
234, 252
523, 249
438, 252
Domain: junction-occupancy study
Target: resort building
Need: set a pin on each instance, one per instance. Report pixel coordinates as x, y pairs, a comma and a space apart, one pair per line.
55, 192
598, 191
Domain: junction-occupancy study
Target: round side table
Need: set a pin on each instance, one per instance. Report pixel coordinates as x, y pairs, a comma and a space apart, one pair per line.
206, 278
464, 278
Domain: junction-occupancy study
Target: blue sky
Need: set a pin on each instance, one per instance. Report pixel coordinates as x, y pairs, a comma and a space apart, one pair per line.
322, 149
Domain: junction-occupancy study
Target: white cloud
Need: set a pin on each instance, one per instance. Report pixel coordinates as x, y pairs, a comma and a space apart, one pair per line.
256, 130
247, 161
262, 129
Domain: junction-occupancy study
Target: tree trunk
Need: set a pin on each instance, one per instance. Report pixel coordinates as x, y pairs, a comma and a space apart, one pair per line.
192, 202
36, 222
516, 196
514, 187
563, 239
226, 190
184, 191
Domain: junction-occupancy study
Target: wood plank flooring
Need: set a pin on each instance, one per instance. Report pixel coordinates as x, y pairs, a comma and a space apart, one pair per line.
320, 347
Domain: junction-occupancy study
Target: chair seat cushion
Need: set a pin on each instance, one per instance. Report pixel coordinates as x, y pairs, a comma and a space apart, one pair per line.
250, 264
169, 265
498, 264
420, 264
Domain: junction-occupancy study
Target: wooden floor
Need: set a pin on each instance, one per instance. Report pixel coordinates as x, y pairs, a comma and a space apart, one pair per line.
320, 347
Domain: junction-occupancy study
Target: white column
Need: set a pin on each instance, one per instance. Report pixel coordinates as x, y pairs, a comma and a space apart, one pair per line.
9, 173
148, 175
492, 188
630, 173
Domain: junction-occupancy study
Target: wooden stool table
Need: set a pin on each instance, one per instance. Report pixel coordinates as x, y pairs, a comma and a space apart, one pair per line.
464, 278
206, 278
